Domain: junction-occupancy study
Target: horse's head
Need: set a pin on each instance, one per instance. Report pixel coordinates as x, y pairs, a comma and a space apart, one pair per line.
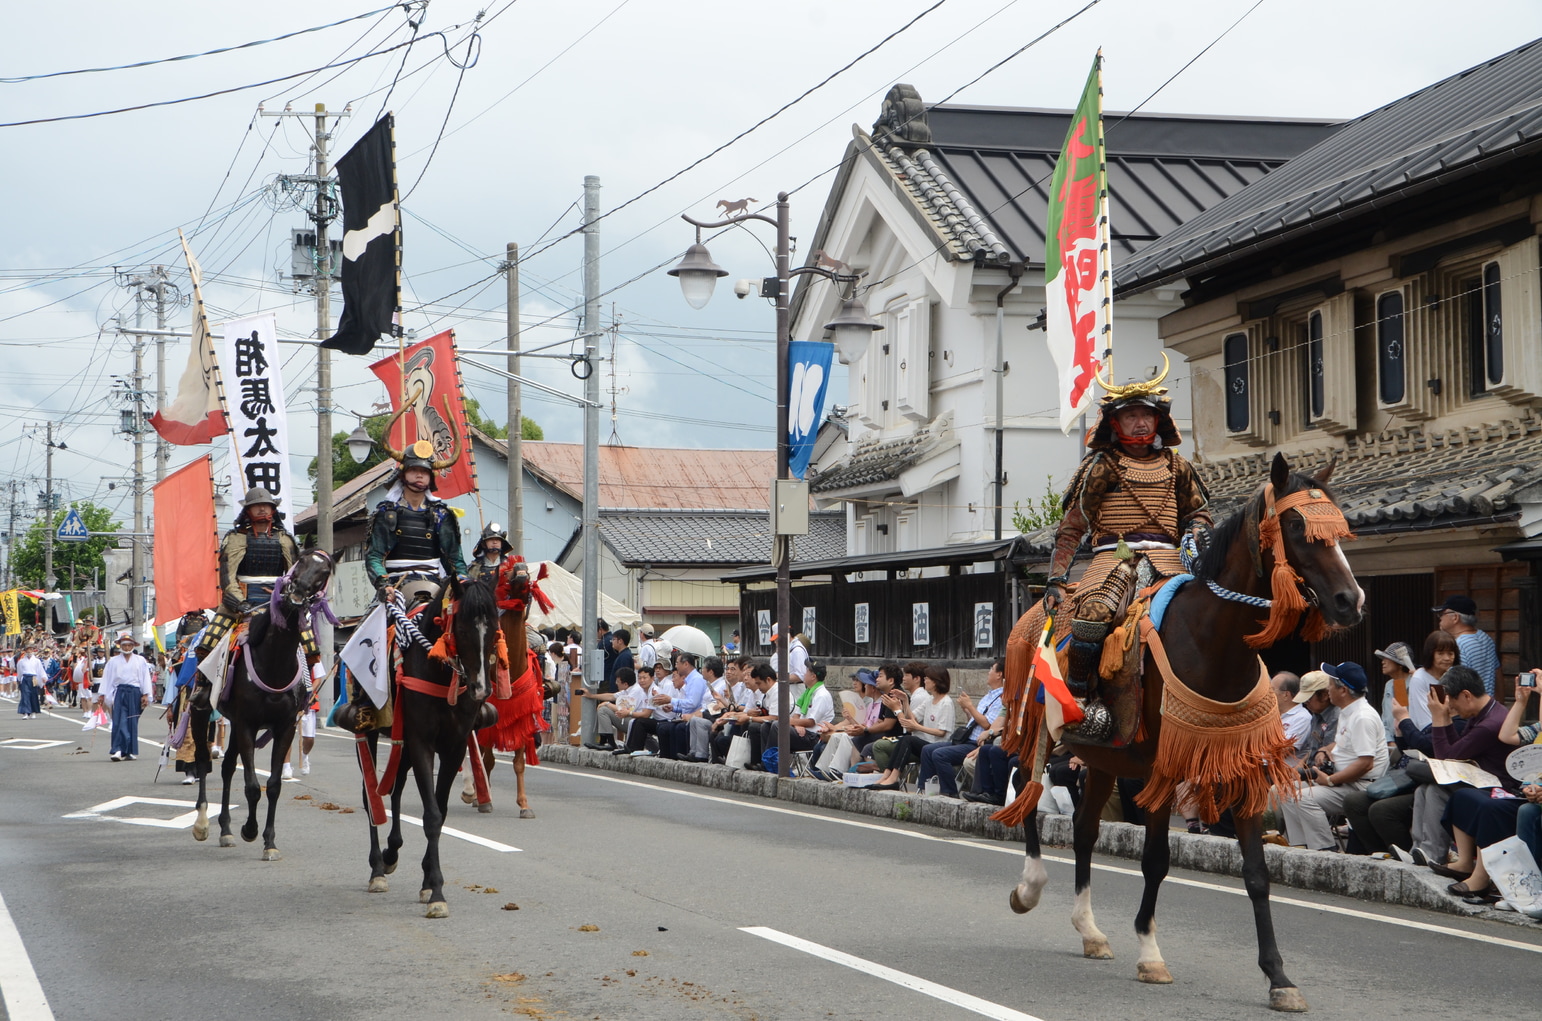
472, 648
1299, 527
303, 588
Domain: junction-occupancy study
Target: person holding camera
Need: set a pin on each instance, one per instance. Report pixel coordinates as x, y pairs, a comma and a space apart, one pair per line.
1359, 756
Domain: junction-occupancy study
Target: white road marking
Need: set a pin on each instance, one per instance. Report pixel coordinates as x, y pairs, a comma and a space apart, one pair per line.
30, 744
20, 990
933, 989
1421, 926
451, 831
180, 822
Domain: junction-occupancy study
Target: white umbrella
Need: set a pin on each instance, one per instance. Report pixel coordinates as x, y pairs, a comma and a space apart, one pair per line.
689, 639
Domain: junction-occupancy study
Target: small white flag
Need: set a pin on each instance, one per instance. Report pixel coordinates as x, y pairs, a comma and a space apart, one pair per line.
365, 656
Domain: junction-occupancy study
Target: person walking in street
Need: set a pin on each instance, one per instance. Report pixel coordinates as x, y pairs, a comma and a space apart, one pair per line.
126, 689
29, 675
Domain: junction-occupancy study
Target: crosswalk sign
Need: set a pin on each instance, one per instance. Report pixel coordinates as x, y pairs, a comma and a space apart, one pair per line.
72, 528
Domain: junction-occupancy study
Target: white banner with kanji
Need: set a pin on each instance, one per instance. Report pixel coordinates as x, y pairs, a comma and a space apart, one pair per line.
254, 398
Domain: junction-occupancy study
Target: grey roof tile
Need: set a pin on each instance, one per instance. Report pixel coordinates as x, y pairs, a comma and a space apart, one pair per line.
713, 537
1489, 112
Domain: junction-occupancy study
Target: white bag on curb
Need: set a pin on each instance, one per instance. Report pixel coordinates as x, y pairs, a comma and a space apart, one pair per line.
1515, 875
738, 752
837, 754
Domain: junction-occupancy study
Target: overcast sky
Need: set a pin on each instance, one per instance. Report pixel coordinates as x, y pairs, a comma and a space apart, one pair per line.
629, 90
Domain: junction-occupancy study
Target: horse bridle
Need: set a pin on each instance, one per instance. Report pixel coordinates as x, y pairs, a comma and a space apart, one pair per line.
1311, 502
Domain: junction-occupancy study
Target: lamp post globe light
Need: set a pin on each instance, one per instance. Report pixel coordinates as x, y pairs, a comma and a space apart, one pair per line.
359, 444
851, 329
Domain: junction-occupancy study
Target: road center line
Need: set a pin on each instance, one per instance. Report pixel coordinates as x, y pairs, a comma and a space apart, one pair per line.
1017, 852
450, 831
899, 978
20, 990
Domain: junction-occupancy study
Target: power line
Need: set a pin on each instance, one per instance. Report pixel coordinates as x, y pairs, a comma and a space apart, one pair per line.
195, 56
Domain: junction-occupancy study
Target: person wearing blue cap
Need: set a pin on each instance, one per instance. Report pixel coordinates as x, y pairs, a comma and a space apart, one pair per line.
1359, 756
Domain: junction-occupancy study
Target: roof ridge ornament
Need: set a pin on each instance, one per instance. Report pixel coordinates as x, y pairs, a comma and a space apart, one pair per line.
903, 119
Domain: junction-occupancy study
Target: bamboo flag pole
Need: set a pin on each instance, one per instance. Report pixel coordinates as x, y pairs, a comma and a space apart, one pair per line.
202, 335
1105, 251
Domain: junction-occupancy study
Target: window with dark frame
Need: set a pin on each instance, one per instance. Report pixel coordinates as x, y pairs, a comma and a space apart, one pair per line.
1235, 352
1391, 360
1493, 324
1312, 362
1472, 315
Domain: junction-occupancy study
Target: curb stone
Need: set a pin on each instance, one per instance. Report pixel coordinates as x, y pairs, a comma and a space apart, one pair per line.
1353, 876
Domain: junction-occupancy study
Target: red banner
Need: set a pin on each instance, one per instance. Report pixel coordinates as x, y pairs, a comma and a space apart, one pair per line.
427, 376
187, 542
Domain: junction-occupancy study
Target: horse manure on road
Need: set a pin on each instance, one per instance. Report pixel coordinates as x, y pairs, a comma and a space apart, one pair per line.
511, 906
588, 928
327, 806
639, 953
303, 797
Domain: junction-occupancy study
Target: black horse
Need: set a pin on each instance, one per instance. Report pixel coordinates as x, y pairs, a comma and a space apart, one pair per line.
1206, 635
445, 680
266, 690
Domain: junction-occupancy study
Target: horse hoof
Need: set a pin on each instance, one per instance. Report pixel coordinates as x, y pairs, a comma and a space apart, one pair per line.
1022, 905
438, 909
1154, 973
1288, 999
469, 797
390, 868
378, 884
200, 831
527, 813
271, 854
226, 840
249, 836
1097, 949
424, 896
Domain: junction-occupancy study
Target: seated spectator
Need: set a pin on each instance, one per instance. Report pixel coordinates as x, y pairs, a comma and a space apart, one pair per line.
911, 692
716, 704
688, 693
934, 723
1477, 816
1397, 667
648, 715
809, 717
1296, 718
992, 770
1317, 748
614, 710
1528, 821
749, 708
1359, 755
876, 719
1440, 654
943, 758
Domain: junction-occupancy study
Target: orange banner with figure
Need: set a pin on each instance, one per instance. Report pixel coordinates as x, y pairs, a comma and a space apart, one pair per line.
427, 377
187, 542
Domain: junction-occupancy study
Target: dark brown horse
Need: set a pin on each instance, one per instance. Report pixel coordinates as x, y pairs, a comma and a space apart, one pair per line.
265, 690
444, 681
1205, 637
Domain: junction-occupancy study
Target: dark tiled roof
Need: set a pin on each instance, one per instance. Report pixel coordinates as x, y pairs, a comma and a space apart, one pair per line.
713, 537
873, 461
1408, 479
984, 176
1484, 115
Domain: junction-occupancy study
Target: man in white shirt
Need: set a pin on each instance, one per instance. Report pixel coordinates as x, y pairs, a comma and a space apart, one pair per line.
716, 704
614, 710
1296, 718
126, 687
647, 651
30, 674
1359, 756
811, 714
797, 660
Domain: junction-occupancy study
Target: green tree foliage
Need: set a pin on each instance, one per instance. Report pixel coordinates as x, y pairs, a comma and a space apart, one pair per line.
344, 467
1041, 513
84, 557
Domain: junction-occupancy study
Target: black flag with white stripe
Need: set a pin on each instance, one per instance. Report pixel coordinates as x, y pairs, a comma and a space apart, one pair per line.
371, 239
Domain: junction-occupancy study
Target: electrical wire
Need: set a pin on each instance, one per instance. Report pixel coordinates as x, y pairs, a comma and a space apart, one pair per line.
195, 56
472, 42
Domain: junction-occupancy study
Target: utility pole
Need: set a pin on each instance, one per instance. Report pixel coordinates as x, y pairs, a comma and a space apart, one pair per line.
136, 595
49, 578
516, 438
591, 600
10, 557
322, 215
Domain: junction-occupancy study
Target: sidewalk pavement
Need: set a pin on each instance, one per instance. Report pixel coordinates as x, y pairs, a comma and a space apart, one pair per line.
1348, 875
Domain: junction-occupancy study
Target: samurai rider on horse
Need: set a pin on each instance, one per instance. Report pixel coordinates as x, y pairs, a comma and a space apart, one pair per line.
254, 555
1136, 496
414, 544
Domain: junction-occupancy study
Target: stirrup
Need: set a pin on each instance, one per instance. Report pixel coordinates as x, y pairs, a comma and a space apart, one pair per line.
1097, 723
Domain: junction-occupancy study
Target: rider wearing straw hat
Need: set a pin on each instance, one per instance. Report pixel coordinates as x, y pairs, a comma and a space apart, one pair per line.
1135, 496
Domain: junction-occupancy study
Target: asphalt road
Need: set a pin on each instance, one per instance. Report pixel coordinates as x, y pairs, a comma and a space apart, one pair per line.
641, 900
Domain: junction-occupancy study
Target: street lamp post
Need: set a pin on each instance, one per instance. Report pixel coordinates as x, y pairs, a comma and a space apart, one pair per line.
698, 275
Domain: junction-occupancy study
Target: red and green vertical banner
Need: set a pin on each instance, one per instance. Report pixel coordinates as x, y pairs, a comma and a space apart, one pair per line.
1078, 290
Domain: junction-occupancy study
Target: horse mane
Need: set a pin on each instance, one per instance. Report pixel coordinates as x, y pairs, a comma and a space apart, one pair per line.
1213, 556
257, 627
477, 601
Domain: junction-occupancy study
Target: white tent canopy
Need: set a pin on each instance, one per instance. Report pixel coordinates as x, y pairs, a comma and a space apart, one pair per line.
566, 590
